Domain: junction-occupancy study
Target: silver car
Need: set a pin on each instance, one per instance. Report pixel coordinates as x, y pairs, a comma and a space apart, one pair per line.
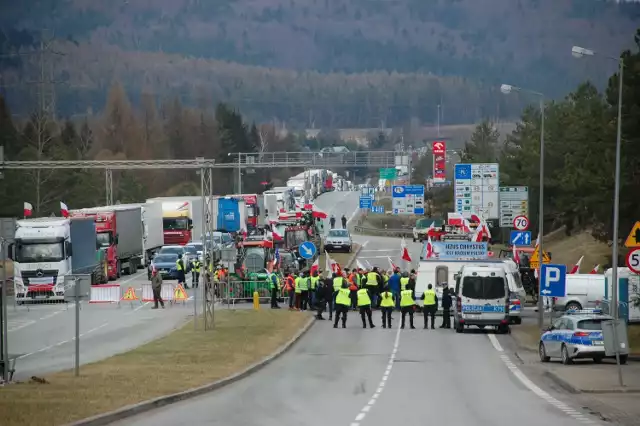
338, 240
575, 335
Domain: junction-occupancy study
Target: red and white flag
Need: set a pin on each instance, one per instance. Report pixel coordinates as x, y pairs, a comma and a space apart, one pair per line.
28, 209
476, 219
429, 249
360, 265
405, 251
393, 265
516, 256
268, 242
331, 265
576, 267
316, 265
466, 226
276, 236
595, 270
477, 235
485, 229
64, 209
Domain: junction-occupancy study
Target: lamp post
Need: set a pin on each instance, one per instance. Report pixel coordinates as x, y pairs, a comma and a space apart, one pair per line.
580, 52
506, 89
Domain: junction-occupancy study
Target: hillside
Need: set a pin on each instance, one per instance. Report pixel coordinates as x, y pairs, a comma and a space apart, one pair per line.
524, 42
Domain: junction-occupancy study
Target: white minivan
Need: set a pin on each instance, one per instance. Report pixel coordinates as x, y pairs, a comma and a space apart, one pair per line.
482, 298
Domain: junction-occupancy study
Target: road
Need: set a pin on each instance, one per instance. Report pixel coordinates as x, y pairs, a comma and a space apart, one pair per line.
43, 334
357, 377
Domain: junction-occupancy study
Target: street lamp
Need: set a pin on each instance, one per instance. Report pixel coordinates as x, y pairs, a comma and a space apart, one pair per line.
507, 89
580, 52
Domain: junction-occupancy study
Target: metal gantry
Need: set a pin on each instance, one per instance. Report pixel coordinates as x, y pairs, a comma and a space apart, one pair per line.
208, 227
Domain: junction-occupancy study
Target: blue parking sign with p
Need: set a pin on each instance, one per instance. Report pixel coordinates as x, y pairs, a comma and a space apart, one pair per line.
553, 280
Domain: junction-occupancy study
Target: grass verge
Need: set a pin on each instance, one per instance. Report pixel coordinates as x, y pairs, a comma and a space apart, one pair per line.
182, 360
342, 258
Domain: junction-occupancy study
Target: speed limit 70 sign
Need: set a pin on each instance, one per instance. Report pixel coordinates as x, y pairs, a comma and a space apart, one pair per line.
521, 223
633, 260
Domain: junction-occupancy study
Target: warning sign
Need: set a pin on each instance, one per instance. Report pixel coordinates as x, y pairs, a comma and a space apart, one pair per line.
130, 295
534, 262
179, 294
633, 240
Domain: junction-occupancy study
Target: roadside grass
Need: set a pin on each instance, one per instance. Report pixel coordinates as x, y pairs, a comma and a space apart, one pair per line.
568, 250
182, 360
342, 258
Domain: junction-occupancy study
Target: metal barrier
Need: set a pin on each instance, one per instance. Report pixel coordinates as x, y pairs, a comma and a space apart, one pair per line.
105, 293
406, 232
167, 292
231, 292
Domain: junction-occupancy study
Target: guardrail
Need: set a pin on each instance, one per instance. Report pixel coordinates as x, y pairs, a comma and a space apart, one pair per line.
232, 292
404, 232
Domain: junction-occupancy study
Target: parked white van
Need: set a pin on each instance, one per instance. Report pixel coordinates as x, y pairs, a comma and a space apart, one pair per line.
440, 272
584, 291
482, 298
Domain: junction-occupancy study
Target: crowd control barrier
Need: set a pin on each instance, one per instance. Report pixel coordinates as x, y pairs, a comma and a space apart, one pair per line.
105, 293
167, 292
231, 292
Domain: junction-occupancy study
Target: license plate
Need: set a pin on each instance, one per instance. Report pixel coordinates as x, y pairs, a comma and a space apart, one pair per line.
472, 316
597, 342
337, 245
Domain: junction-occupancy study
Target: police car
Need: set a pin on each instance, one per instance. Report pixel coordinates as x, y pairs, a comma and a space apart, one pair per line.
575, 335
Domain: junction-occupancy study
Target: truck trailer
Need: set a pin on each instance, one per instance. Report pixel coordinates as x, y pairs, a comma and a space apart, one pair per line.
181, 218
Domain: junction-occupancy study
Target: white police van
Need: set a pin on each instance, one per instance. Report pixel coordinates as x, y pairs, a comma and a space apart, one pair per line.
482, 298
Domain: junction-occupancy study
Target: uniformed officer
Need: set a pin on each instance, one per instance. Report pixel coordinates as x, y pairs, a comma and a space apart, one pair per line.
195, 272
274, 286
313, 286
386, 305
372, 283
338, 281
343, 301
364, 304
181, 271
298, 291
407, 304
446, 308
304, 291
430, 306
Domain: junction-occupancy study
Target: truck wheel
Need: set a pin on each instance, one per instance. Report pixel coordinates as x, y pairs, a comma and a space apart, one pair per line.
132, 268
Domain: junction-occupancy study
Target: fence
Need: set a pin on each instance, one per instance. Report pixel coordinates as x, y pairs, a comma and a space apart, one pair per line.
231, 292
105, 293
168, 293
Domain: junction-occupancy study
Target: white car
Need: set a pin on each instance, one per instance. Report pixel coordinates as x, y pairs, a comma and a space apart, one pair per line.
338, 240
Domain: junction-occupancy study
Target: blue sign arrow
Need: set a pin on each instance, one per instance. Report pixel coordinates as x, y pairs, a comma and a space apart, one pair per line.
553, 280
307, 250
520, 238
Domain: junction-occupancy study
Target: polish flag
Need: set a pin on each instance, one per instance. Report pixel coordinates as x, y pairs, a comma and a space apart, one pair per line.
369, 265
316, 265
537, 243
477, 235
595, 270
516, 256
429, 249
576, 267
466, 226
276, 236
485, 228
476, 219
393, 265
268, 243
28, 209
64, 209
405, 251
360, 265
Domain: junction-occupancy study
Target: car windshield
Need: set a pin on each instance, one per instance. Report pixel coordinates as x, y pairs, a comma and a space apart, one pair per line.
179, 223
196, 247
483, 288
590, 324
104, 239
339, 233
165, 258
190, 249
172, 250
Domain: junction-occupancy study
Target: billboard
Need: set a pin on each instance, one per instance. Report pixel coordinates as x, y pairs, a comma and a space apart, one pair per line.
439, 150
477, 190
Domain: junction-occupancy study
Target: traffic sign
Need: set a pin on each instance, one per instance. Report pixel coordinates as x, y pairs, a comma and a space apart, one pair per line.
553, 281
407, 199
377, 209
477, 188
633, 240
534, 262
388, 173
514, 201
520, 238
521, 223
633, 260
366, 202
308, 250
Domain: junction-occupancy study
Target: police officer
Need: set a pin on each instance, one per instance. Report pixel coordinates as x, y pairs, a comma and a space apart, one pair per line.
195, 272
364, 304
323, 296
430, 306
343, 301
338, 281
274, 286
446, 308
372, 284
407, 305
386, 305
181, 271
304, 291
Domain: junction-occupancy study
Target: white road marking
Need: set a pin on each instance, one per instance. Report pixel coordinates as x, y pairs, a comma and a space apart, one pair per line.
535, 389
363, 412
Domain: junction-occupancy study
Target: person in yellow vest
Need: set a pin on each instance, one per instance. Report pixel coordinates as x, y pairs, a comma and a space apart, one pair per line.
407, 305
373, 284
343, 301
298, 291
313, 287
274, 286
338, 281
387, 303
304, 291
364, 304
195, 272
430, 306
181, 271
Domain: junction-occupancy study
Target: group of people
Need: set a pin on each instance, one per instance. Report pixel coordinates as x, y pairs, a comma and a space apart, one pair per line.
360, 290
343, 220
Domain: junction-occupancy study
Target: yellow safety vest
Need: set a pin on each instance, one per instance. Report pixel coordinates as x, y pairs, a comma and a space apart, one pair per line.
297, 282
343, 297
385, 278
387, 300
403, 283
363, 298
372, 278
337, 283
429, 297
179, 265
314, 282
304, 284
406, 298
196, 265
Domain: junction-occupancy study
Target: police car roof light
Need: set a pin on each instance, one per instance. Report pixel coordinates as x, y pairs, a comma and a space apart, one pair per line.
584, 311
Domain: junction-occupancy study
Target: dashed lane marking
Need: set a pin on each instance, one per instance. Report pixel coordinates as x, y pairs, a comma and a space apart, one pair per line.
535, 389
387, 372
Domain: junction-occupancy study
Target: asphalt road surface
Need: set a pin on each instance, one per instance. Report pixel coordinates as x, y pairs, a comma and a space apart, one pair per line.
357, 377
43, 333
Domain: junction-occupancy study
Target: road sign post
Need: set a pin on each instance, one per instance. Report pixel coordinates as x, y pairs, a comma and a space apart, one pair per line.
308, 250
633, 260
553, 280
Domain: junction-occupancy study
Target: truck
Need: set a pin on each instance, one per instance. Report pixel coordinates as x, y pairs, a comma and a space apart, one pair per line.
286, 198
47, 250
230, 214
130, 234
254, 205
181, 218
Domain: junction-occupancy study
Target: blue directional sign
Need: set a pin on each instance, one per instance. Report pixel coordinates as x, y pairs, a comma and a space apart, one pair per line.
366, 202
377, 209
520, 238
462, 171
553, 280
307, 250
408, 199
